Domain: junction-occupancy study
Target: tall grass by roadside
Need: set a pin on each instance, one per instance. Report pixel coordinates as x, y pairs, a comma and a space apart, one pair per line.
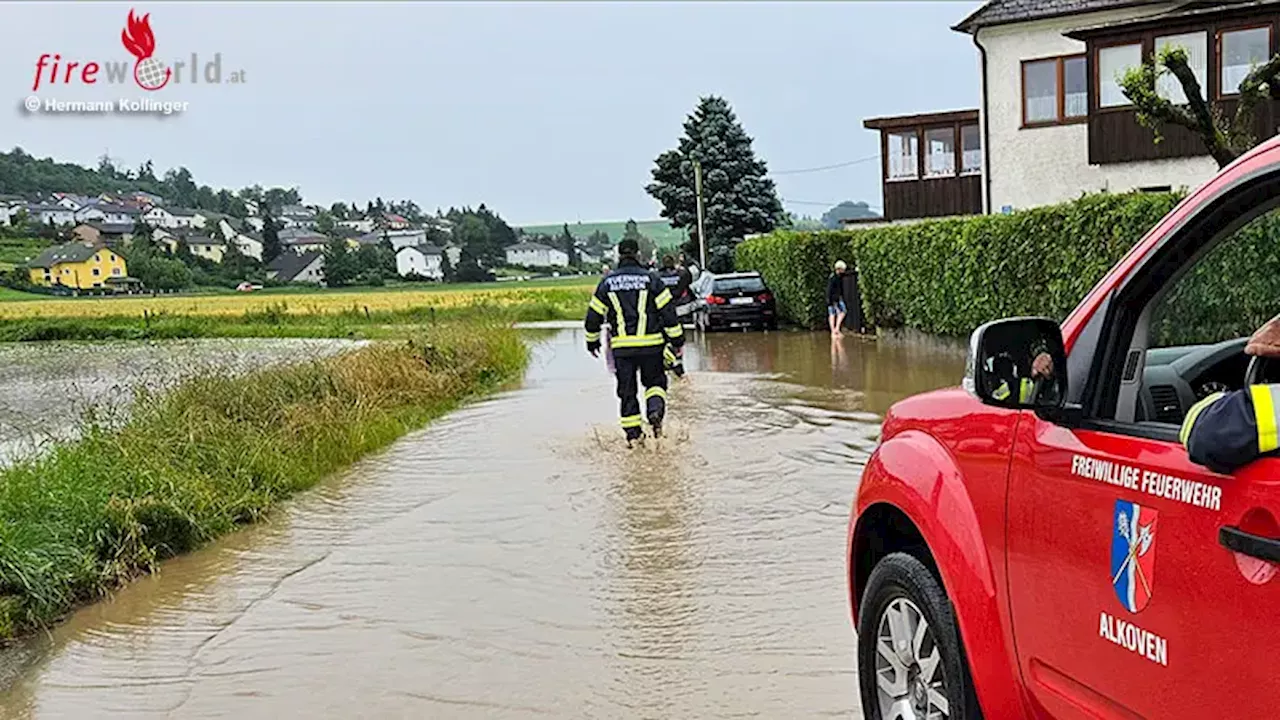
281, 320
217, 452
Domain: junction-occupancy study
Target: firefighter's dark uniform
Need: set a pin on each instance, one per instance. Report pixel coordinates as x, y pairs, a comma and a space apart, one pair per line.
673, 280
1226, 431
642, 320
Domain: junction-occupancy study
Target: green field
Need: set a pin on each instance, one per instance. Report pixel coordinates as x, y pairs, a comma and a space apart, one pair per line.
662, 234
15, 251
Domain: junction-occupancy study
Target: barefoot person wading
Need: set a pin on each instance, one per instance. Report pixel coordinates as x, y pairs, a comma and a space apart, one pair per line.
836, 308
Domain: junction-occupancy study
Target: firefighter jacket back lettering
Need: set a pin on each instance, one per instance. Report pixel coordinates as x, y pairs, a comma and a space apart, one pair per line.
637, 306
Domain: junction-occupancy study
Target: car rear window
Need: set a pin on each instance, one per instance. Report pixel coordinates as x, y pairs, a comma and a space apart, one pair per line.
746, 284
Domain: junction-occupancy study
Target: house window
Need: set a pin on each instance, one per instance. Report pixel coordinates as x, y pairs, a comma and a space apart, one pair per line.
1196, 45
97, 271
1040, 92
115, 271
1054, 90
1240, 51
1113, 63
904, 152
1075, 87
970, 149
940, 146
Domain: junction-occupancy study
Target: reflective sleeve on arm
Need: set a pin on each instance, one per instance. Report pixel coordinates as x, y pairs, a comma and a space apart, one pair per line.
596, 315
1231, 430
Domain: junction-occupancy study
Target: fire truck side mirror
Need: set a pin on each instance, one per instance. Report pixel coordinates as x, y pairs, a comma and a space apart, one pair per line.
1018, 363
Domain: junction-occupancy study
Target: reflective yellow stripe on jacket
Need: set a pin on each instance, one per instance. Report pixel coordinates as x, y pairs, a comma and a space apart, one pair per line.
1027, 390
663, 298
1194, 413
1265, 403
633, 341
642, 310
622, 322
598, 306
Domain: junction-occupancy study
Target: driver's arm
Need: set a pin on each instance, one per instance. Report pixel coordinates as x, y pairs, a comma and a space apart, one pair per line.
1226, 431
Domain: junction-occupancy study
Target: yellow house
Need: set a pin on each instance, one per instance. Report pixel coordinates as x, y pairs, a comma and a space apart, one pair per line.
77, 265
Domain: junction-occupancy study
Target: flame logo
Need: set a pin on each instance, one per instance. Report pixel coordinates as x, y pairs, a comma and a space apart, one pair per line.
148, 72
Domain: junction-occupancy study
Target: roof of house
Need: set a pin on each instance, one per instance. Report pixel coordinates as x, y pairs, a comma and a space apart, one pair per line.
185, 212
528, 246
47, 207
1185, 11
299, 235
425, 249
899, 121
69, 253
199, 239
107, 207
288, 265
111, 228
1004, 12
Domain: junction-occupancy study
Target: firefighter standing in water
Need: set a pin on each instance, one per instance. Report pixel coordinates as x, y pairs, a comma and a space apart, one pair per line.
676, 280
639, 311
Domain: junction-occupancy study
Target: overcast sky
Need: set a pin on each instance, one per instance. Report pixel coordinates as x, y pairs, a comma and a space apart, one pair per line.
546, 112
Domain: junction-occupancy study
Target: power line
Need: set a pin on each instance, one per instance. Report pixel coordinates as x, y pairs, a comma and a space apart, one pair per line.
822, 203
837, 166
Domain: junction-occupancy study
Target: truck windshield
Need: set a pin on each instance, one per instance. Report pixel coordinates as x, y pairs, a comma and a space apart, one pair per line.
745, 284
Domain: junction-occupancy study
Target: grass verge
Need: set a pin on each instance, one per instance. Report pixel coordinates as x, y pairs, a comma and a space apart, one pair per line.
215, 453
281, 320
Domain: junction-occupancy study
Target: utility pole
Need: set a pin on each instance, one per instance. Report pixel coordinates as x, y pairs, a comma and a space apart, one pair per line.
702, 238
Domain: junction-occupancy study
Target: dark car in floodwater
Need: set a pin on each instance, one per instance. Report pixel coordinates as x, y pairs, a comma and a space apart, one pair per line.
735, 300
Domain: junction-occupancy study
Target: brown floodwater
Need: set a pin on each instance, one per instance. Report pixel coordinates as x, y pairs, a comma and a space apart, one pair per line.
514, 560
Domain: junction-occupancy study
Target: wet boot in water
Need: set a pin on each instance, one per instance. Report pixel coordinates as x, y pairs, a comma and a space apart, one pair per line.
656, 423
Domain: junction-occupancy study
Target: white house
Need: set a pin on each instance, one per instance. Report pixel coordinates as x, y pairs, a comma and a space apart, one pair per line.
246, 242
532, 254
301, 241
256, 223
175, 218
411, 237
307, 267
421, 260
205, 246
9, 210
47, 213
298, 216
72, 202
360, 225
454, 253
107, 213
1054, 121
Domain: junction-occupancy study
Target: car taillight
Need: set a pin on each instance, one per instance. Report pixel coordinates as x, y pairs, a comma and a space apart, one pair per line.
716, 300
764, 297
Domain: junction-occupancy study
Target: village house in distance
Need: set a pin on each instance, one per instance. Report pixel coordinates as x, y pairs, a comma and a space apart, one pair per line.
1063, 127
80, 266
533, 254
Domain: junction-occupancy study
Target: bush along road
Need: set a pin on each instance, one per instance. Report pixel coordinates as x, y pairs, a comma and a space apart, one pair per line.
946, 277
218, 452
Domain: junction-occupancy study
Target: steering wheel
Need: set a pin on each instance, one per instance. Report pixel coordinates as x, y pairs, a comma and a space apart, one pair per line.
1256, 371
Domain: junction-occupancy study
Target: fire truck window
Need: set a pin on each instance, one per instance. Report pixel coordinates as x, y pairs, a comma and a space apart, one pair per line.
1229, 293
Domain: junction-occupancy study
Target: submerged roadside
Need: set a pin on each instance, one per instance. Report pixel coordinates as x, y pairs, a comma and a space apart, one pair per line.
219, 451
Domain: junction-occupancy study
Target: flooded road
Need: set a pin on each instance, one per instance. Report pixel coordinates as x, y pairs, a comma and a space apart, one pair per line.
46, 388
514, 560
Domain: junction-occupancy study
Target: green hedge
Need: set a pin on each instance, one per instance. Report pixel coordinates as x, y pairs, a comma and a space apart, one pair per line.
949, 276
1231, 292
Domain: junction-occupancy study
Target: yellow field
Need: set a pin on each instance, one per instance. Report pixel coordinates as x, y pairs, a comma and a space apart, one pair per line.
298, 303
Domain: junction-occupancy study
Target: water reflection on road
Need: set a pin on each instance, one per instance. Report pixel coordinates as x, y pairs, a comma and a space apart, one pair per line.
513, 560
